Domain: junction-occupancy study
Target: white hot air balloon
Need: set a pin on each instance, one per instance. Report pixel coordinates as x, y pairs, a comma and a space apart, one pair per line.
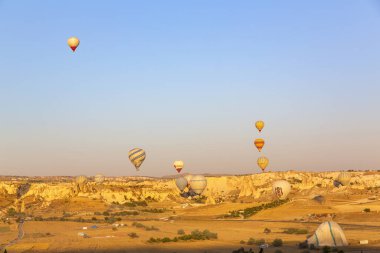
181, 183
344, 178
198, 184
281, 189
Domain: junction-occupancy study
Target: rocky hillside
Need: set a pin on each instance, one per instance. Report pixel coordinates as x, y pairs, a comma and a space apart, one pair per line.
26, 191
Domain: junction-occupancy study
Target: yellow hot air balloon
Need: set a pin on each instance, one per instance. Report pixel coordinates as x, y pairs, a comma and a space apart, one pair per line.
178, 165
137, 157
259, 143
262, 162
73, 43
259, 125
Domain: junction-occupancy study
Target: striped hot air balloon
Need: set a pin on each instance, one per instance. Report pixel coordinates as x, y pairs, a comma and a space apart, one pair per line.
262, 162
198, 184
259, 143
178, 165
344, 178
137, 157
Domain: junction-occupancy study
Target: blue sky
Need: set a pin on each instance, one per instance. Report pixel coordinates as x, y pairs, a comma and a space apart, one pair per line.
187, 80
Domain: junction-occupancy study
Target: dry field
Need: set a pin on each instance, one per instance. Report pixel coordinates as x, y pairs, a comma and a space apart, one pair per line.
56, 236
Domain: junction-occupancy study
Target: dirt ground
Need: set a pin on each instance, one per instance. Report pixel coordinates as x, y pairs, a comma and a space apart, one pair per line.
59, 236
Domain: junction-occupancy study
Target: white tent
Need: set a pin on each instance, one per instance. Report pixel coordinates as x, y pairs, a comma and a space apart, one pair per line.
329, 233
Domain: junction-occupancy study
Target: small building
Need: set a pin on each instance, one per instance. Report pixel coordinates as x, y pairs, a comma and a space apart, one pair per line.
84, 228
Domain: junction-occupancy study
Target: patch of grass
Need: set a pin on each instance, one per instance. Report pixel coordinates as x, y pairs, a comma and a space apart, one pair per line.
4, 229
296, 231
154, 210
195, 235
136, 203
277, 242
147, 228
248, 212
125, 213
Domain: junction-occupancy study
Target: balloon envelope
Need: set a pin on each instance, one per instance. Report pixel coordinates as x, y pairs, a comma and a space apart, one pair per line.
281, 189
344, 178
81, 179
188, 178
259, 143
137, 157
181, 183
262, 162
259, 125
73, 43
178, 165
198, 184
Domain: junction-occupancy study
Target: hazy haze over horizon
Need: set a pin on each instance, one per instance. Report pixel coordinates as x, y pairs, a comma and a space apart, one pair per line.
187, 80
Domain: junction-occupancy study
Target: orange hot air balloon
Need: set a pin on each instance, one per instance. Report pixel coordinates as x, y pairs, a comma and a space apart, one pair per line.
73, 43
259, 125
259, 143
262, 162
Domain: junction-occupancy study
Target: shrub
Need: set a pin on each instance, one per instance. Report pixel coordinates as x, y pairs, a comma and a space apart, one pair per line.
277, 242
312, 247
105, 213
94, 218
242, 242
326, 249
11, 212
114, 229
260, 242
166, 239
367, 210
251, 241
278, 251
181, 232
267, 231
133, 235
295, 231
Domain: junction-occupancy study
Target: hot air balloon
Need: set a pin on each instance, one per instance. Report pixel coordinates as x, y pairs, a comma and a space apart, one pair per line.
262, 162
99, 179
188, 178
281, 189
259, 143
73, 43
137, 157
259, 125
81, 180
178, 165
181, 183
344, 178
198, 184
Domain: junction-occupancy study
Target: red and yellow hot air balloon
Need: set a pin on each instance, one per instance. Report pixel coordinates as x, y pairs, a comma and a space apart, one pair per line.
259, 125
73, 43
259, 143
178, 165
262, 162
